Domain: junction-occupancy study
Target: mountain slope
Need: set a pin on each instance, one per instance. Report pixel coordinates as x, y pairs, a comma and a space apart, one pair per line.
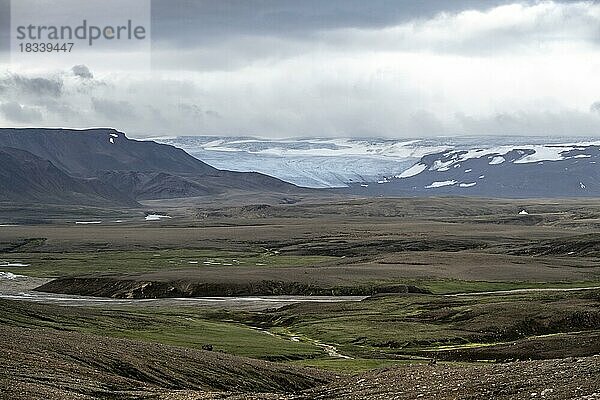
508, 171
83, 153
154, 185
140, 169
26, 178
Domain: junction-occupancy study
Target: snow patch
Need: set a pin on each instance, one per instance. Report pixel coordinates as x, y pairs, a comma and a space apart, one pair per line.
10, 275
545, 153
441, 184
412, 171
523, 212
467, 185
497, 160
156, 217
526, 153
87, 222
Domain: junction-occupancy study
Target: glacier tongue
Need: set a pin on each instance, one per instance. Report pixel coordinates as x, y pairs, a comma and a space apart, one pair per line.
339, 162
315, 162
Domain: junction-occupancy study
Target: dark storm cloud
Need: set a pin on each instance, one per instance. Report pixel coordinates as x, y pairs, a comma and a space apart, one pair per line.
290, 68
39, 86
196, 112
113, 109
229, 35
192, 22
19, 113
4, 30
32, 86
537, 123
82, 71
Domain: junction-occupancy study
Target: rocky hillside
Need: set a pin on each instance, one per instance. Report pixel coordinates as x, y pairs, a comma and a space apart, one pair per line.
134, 169
26, 178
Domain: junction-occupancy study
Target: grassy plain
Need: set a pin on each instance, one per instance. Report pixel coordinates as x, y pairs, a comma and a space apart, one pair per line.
441, 245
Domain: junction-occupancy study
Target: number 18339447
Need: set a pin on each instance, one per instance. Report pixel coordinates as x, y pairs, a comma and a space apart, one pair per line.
44, 47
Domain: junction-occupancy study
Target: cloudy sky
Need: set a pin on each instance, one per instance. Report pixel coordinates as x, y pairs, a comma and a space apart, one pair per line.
284, 68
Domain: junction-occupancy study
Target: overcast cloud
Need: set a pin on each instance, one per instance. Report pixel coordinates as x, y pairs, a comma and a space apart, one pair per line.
339, 68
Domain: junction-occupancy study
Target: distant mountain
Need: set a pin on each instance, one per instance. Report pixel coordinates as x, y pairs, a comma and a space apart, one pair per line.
557, 170
85, 152
26, 178
342, 162
499, 166
136, 169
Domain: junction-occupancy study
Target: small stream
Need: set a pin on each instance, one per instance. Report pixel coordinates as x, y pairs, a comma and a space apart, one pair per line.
330, 349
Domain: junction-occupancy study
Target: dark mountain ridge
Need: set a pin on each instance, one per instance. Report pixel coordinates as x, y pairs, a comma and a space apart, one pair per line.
26, 178
132, 169
85, 152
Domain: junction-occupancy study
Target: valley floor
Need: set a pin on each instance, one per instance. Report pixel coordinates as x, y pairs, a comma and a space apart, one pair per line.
440, 311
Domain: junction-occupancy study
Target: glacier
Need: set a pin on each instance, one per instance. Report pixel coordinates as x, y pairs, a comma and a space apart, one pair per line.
342, 162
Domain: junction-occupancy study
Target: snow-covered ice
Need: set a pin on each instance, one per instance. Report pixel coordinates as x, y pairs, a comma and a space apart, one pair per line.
156, 217
412, 171
497, 160
338, 162
441, 184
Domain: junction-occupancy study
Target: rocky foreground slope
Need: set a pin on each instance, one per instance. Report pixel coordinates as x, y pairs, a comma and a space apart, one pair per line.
52, 364
552, 379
